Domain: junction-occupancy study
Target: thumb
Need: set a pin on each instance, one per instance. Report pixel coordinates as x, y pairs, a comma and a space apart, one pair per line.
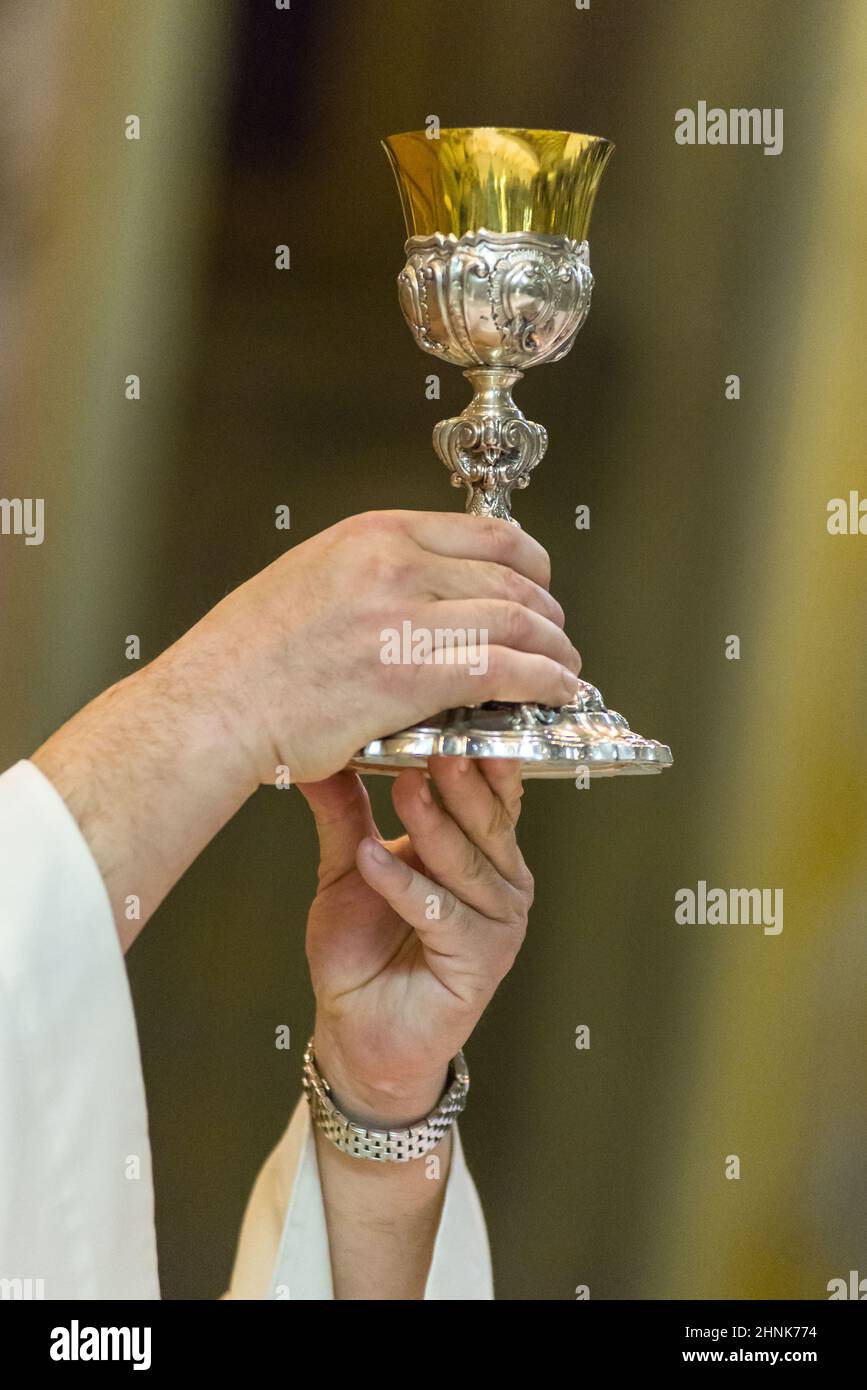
341, 810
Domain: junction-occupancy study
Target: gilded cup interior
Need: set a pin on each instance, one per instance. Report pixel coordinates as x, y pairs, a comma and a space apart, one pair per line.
498, 178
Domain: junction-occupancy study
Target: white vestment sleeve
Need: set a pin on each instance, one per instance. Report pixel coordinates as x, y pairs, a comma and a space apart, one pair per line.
283, 1247
76, 1193
76, 1189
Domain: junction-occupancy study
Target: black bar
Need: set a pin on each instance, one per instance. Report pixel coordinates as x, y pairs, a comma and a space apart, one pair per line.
247, 1337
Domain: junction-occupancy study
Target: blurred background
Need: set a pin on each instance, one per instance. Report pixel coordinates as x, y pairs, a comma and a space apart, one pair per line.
260, 127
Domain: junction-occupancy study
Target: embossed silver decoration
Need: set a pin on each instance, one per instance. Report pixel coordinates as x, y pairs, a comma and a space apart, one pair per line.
549, 742
491, 447
495, 299
495, 303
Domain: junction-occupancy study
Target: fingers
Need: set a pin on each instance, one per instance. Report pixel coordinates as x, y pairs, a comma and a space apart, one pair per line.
484, 580
485, 816
456, 579
467, 959
507, 675
503, 776
499, 578
498, 622
481, 538
341, 810
454, 860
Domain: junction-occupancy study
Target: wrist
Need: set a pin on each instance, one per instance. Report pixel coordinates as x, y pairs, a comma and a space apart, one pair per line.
373, 1099
215, 723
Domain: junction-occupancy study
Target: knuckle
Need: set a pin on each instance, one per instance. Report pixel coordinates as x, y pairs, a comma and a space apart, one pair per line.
500, 822
361, 524
374, 530
516, 624
374, 570
374, 522
527, 888
492, 678
479, 868
546, 566
512, 584
448, 905
516, 928
473, 863
499, 536
399, 682
559, 614
479, 985
388, 569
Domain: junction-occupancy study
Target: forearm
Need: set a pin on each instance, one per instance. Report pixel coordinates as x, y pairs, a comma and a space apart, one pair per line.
382, 1218
149, 774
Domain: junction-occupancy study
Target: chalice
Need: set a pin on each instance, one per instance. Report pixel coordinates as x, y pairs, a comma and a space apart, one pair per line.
497, 279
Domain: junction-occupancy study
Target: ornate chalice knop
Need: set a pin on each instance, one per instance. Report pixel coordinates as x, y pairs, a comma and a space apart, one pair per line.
497, 279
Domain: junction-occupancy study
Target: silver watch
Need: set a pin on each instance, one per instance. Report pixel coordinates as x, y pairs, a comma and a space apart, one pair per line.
384, 1145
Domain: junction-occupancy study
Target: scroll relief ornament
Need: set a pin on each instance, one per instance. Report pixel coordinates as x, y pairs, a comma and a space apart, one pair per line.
494, 303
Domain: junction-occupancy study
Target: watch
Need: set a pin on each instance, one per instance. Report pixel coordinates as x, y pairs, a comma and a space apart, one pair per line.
384, 1145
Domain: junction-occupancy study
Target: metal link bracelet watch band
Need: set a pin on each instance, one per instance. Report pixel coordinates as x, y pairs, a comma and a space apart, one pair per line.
384, 1145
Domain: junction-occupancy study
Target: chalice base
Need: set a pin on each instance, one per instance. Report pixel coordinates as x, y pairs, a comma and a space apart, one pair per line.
584, 735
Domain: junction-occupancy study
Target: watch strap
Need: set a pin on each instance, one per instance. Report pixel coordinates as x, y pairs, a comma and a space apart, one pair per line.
384, 1145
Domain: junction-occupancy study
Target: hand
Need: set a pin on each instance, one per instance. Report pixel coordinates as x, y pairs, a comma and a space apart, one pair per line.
294, 656
286, 671
408, 941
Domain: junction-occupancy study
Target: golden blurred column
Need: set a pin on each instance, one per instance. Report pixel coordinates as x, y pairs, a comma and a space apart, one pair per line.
768, 1082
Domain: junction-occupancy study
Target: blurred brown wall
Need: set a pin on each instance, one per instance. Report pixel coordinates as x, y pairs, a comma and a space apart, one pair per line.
260, 387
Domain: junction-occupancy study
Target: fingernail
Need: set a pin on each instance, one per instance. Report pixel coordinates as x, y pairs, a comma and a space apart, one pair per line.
377, 851
463, 764
424, 793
